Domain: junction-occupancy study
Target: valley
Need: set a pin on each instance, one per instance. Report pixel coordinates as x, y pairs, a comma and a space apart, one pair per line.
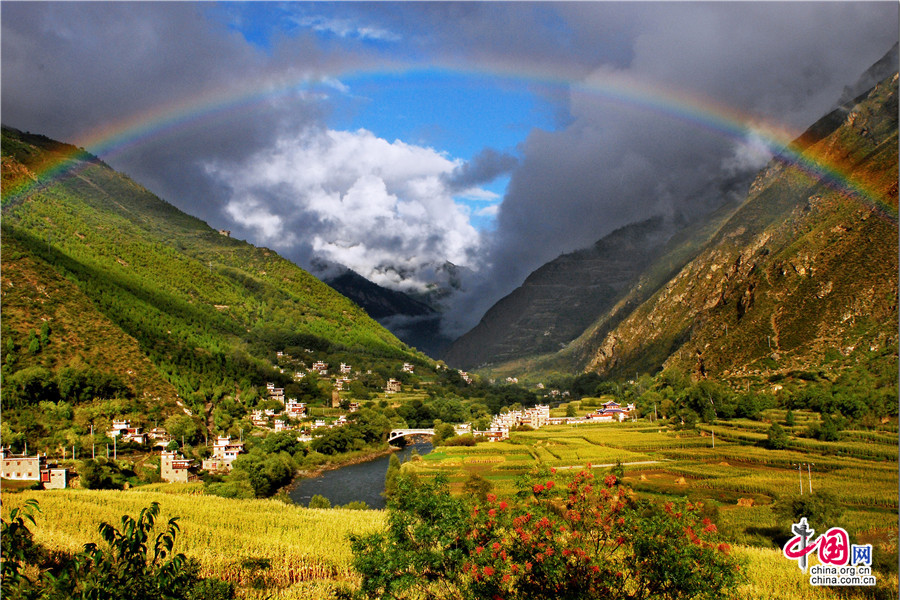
682, 389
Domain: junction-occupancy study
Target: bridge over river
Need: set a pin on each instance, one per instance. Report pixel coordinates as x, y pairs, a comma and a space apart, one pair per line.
396, 434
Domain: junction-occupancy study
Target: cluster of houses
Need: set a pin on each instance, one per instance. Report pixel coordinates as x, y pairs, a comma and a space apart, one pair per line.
122, 430
539, 416
535, 418
293, 409
21, 467
173, 467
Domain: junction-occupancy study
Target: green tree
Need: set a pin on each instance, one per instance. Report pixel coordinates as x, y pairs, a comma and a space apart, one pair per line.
822, 510
390, 478
182, 427
17, 547
34, 343
570, 410
776, 438
789, 418
442, 431
477, 486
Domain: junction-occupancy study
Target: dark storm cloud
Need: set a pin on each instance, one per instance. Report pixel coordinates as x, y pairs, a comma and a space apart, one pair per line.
784, 63
483, 168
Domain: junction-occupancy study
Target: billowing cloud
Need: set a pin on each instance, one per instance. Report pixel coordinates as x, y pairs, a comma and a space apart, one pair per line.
381, 208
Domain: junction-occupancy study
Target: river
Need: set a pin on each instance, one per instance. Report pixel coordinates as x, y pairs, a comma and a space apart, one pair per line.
360, 482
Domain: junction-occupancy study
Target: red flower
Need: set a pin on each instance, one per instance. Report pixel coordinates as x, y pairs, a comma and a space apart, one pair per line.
595, 569
711, 528
488, 571
538, 488
724, 548
496, 545
550, 485
503, 505
610, 480
506, 578
479, 549
491, 497
553, 470
492, 512
527, 566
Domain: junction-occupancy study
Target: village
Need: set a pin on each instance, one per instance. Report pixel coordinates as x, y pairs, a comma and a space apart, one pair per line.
293, 416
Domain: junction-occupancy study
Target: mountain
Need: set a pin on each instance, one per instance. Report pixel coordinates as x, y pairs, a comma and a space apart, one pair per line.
103, 280
379, 302
798, 274
558, 301
412, 321
803, 275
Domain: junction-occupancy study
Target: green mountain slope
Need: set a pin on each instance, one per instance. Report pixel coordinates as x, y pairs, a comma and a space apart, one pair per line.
803, 275
139, 282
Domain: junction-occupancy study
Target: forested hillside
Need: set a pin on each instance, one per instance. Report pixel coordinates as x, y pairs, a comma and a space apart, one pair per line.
106, 285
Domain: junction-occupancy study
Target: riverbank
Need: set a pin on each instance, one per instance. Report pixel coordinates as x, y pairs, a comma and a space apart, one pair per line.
350, 481
351, 458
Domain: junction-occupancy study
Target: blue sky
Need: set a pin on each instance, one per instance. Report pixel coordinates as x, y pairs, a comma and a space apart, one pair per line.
454, 112
458, 114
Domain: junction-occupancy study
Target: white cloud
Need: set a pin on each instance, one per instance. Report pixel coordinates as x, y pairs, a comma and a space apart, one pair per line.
382, 208
488, 211
478, 195
346, 28
750, 154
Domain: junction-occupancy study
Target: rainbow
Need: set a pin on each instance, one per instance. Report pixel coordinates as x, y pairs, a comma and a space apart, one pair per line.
614, 87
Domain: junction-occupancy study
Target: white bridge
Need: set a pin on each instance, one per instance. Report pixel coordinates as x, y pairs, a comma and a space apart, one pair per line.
396, 434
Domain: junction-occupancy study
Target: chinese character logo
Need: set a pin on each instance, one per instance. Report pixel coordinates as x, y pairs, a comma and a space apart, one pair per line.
832, 547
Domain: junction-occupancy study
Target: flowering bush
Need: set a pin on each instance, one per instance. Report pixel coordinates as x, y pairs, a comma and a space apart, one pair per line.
557, 540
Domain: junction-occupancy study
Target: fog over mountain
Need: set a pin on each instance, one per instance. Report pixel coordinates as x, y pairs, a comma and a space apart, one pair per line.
264, 119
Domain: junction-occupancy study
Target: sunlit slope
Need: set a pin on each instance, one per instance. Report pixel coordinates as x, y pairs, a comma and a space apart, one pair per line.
205, 309
804, 273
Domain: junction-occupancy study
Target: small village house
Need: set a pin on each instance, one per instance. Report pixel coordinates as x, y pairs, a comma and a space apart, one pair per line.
174, 468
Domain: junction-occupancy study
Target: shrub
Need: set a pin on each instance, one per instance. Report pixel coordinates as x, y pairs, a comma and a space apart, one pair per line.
466, 439
318, 501
557, 540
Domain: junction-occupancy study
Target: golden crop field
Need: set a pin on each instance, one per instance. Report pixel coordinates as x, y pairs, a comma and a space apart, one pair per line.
234, 540
286, 552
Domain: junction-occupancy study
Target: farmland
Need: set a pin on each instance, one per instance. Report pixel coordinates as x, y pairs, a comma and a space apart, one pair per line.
272, 549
